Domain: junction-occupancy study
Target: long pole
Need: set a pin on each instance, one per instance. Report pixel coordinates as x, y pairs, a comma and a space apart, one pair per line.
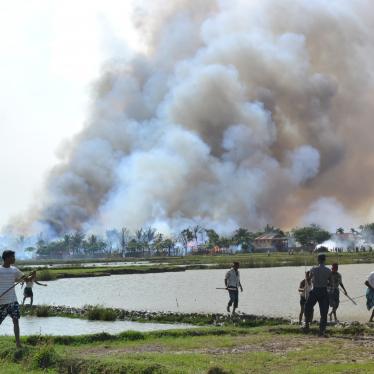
349, 298
15, 284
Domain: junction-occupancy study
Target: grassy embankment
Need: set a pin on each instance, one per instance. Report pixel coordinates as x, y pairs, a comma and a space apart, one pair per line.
157, 264
111, 314
215, 350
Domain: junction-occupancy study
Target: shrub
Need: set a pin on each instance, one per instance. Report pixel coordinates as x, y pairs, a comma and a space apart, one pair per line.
98, 313
45, 275
217, 370
42, 311
44, 357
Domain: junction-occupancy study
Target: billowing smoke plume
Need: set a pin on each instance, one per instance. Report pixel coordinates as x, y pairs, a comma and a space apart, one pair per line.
240, 113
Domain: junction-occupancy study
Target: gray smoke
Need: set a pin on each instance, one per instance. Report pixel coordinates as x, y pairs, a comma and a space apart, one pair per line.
241, 113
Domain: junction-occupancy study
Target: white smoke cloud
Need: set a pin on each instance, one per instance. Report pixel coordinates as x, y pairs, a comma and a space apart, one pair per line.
237, 115
305, 162
329, 214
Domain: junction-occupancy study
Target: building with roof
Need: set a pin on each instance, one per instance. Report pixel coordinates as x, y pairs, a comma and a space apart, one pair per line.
271, 241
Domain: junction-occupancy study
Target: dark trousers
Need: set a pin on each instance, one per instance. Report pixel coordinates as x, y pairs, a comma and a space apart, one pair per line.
234, 297
321, 296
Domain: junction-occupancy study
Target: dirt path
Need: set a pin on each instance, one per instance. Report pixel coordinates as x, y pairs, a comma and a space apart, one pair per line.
276, 345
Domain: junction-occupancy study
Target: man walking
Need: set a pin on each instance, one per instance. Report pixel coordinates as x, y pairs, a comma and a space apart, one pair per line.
333, 290
8, 299
320, 276
232, 283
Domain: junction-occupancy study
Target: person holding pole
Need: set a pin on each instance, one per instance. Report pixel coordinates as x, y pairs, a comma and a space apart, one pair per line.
333, 290
9, 275
304, 290
232, 283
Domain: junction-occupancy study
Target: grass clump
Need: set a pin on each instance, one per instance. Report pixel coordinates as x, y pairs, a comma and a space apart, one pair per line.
217, 370
42, 311
98, 313
44, 357
45, 275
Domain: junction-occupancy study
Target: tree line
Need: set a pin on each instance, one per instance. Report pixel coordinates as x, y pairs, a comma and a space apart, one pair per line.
148, 241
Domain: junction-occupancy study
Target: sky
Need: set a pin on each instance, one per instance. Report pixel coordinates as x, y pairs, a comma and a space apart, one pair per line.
265, 93
50, 53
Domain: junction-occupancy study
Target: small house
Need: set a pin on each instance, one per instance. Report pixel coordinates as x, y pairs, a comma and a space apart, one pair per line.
271, 241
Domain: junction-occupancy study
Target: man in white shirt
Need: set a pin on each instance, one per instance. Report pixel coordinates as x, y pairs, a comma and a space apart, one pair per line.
9, 275
232, 282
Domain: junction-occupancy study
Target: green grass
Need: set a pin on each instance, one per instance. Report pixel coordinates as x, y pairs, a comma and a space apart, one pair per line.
97, 313
12, 368
279, 349
80, 272
45, 275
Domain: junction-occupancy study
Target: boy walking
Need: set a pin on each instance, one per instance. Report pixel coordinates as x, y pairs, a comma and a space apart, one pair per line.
27, 292
333, 289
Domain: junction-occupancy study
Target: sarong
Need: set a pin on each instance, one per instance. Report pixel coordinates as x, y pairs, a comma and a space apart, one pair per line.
369, 298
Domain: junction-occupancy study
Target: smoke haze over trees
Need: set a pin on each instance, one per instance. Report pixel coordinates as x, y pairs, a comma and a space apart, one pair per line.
239, 114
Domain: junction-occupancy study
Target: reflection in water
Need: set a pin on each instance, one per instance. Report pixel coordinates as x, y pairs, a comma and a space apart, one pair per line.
267, 291
74, 326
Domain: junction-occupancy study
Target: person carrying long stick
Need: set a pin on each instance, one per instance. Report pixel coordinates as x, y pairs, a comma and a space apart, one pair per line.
333, 290
9, 277
232, 283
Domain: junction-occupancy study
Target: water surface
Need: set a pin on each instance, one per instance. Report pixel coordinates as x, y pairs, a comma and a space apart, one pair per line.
74, 326
267, 291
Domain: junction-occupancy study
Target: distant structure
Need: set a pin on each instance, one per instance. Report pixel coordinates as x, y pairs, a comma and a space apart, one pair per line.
271, 241
347, 242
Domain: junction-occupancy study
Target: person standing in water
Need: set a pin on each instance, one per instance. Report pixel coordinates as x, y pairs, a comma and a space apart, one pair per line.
320, 276
304, 290
27, 292
232, 283
333, 290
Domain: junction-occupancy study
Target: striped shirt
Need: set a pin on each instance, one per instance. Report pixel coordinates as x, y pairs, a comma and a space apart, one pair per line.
321, 276
8, 276
233, 278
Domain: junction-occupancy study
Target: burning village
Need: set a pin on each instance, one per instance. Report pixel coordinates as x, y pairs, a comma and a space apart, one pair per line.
183, 182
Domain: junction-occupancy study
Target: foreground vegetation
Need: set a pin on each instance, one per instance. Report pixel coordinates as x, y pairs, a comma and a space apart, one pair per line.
214, 350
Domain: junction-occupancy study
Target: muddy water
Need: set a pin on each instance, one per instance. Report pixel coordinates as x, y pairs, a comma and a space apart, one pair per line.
267, 291
69, 326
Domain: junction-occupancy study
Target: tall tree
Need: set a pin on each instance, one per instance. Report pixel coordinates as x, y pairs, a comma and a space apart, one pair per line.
311, 235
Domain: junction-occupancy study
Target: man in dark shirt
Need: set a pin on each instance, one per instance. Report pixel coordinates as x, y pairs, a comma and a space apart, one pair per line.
321, 276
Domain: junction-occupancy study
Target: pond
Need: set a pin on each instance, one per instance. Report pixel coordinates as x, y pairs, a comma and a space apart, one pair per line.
267, 291
74, 326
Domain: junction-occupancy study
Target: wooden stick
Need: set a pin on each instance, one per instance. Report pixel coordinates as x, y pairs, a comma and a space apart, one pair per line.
349, 298
15, 284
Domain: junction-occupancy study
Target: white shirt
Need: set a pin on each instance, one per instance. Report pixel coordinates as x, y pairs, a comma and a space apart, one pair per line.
371, 279
233, 278
8, 276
